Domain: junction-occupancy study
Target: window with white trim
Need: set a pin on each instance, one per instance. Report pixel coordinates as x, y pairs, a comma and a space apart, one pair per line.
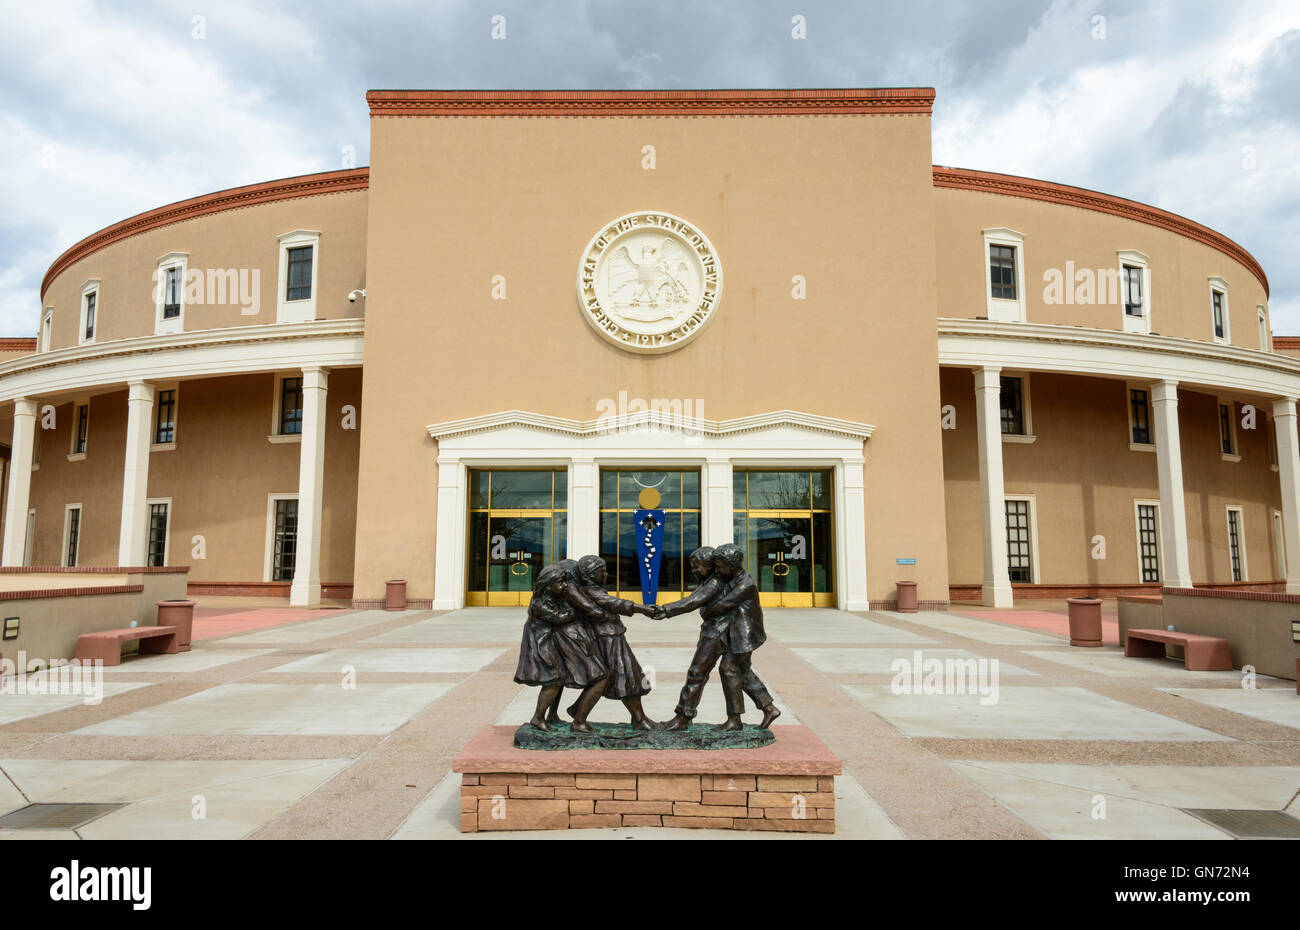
1141, 437
71, 534
1265, 344
80, 430
47, 325
281, 536
1228, 431
169, 293
1148, 540
1279, 546
296, 289
286, 408
1220, 322
1236, 545
1004, 275
1022, 541
89, 311
158, 549
1135, 291
1016, 414
164, 417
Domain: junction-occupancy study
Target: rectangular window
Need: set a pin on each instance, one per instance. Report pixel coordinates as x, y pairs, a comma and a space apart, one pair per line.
1141, 412
1263, 331
1149, 542
1002, 271
299, 281
1133, 305
1226, 437
72, 535
157, 535
283, 557
1220, 324
91, 300
1013, 406
1272, 442
1019, 545
164, 429
1234, 544
83, 429
172, 294
290, 406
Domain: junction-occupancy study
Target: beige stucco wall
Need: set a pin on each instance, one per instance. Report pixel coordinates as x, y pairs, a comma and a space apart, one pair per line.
454, 202
1086, 480
1054, 234
244, 238
218, 476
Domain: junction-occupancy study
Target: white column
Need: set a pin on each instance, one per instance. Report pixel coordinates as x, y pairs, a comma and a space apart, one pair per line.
1288, 472
20, 481
993, 508
1169, 465
133, 537
305, 590
852, 551
584, 509
719, 526
449, 547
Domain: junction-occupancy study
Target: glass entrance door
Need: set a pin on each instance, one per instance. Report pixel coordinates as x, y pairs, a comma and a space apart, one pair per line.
783, 522
781, 544
509, 545
519, 547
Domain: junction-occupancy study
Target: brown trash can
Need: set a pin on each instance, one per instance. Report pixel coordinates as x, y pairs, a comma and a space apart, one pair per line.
906, 597
395, 595
180, 614
1085, 621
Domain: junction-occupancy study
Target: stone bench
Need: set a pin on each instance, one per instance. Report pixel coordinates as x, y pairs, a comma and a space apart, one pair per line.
1200, 653
106, 646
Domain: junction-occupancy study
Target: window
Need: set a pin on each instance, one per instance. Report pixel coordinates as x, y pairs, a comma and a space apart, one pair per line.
169, 293
172, 294
1013, 406
1139, 417
164, 428
1133, 305
290, 407
1236, 550
1148, 528
284, 537
299, 271
1135, 291
1227, 432
81, 430
159, 512
1264, 345
71, 534
1004, 262
1272, 444
47, 323
1279, 546
1020, 556
89, 310
1219, 318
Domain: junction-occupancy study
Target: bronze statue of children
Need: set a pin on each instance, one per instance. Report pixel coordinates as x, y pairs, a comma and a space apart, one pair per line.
558, 650
626, 681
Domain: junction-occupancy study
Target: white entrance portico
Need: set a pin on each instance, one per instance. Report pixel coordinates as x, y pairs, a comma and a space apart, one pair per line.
649, 439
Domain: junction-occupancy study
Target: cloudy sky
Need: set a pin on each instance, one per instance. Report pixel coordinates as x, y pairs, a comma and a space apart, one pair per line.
109, 109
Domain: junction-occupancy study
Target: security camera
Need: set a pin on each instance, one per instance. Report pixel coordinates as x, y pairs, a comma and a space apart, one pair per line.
352, 297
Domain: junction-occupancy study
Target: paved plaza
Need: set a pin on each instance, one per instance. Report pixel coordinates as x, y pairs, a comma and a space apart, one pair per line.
344, 723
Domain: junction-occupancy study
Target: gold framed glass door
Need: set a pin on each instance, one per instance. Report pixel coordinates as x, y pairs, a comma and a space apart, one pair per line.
783, 522
679, 498
509, 545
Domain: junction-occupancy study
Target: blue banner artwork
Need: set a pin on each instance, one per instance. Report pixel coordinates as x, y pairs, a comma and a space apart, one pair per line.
649, 551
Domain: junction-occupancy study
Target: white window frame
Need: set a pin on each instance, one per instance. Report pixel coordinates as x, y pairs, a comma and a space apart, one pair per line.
90, 287
1028, 436
1035, 566
1137, 535
73, 454
159, 387
297, 311
1235, 455
1128, 413
1220, 285
47, 326
1241, 541
1265, 337
277, 383
67, 528
1135, 324
1271, 439
269, 556
179, 260
167, 536
31, 537
1001, 309
1279, 546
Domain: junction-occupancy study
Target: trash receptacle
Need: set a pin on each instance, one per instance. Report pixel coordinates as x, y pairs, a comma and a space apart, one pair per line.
906, 597
1085, 621
395, 596
179, 613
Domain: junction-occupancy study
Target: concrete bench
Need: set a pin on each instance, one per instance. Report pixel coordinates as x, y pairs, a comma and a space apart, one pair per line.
107, 645
1200, 653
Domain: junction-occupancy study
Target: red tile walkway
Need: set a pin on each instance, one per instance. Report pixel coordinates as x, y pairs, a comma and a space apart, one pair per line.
1045, 620
220, 621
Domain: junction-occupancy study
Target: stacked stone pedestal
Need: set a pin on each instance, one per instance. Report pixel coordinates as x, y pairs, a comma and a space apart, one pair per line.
787, 786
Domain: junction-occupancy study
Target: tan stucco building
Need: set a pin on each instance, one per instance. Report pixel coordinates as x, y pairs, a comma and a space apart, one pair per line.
471, 358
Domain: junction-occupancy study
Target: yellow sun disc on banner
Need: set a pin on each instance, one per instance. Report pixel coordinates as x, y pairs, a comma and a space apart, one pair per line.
648, 499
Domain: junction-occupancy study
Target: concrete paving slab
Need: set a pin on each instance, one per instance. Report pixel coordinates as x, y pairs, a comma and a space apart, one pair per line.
1110, 661
416, 661
985, 631
660, 704
862, 661
311, 630
21, 706
1276, 705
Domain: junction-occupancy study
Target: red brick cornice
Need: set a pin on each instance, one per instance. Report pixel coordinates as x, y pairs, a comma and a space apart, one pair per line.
1012, 186
307, 185
17, 344
636, 103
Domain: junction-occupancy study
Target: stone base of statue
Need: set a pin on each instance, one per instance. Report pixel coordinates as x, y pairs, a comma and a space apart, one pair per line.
624, 736
786, 785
